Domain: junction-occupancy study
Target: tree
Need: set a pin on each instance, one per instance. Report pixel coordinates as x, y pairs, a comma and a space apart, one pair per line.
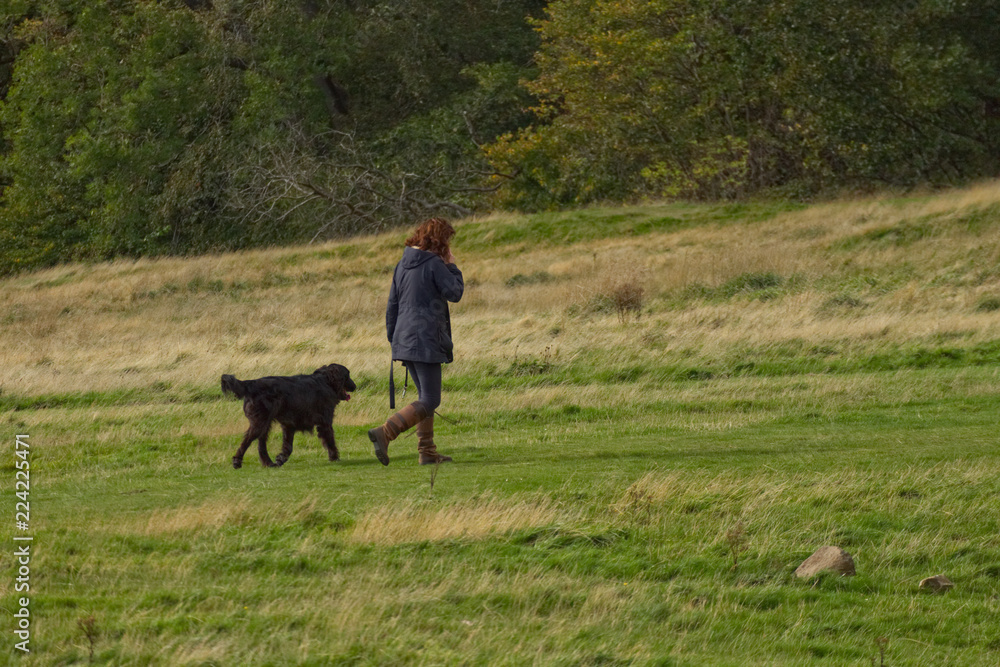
718, 99
419, 112
139, 128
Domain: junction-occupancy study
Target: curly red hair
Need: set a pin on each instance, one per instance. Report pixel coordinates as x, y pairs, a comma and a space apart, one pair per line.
433, 235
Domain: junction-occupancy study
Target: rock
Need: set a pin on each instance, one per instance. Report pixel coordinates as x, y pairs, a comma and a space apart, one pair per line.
826, 558
937, 584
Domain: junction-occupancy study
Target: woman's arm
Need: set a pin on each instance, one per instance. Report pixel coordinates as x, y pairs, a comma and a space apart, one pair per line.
392, 309
448, 279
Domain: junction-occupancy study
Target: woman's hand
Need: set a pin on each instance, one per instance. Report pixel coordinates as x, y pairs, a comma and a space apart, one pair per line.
451, 258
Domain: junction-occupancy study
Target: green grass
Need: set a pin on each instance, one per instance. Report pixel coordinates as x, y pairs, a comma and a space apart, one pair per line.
182, 560
601, 223
631, 492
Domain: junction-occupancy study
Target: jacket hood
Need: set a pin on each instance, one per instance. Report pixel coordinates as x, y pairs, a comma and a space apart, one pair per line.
414, 257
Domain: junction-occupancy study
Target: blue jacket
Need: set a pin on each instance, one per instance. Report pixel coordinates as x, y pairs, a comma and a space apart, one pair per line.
417, 320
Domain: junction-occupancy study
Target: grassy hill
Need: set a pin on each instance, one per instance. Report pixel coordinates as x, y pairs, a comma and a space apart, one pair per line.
656, 412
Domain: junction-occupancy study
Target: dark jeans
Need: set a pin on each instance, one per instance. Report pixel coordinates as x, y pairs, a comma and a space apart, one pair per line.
427, 377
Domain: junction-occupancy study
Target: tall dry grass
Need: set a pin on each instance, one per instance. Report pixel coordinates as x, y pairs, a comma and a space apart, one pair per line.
186, 321
481, 517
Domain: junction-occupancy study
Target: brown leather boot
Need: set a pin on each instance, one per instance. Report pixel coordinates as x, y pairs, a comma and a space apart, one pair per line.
405, 419
425, 443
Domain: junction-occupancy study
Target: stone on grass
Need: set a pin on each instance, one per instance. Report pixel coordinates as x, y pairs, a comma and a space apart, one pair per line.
937, 584
826, 558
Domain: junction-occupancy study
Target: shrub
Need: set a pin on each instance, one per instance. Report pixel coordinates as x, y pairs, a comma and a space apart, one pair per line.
622, 297
627, 298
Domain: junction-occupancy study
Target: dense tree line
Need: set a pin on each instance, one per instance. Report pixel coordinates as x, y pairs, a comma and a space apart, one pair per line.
135, 127
715, 99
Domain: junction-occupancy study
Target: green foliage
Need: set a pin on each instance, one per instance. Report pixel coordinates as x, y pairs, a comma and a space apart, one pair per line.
131, 129
149, 128
716, 100
121, 119
410, 59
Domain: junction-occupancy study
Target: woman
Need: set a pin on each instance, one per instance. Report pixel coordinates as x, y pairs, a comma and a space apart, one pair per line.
419, 327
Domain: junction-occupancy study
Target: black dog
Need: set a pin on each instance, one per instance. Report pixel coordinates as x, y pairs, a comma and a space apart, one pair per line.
297, 402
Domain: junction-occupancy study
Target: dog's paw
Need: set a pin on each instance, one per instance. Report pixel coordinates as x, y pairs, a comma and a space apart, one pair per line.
280, 459
335, 456
237, 462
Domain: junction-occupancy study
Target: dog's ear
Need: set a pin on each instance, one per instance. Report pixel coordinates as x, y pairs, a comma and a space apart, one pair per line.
334, 374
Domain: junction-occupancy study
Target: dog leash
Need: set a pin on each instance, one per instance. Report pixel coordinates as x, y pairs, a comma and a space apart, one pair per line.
450, 421
406, 382
392, 385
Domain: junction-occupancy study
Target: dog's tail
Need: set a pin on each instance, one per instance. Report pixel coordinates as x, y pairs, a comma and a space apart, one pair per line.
230, 385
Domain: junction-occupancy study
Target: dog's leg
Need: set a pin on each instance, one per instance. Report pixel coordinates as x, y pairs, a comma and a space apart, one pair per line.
325, 433
265, 459
248, 437
288, 434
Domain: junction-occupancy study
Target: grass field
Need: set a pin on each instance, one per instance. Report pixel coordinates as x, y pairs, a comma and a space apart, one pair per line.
656, 413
